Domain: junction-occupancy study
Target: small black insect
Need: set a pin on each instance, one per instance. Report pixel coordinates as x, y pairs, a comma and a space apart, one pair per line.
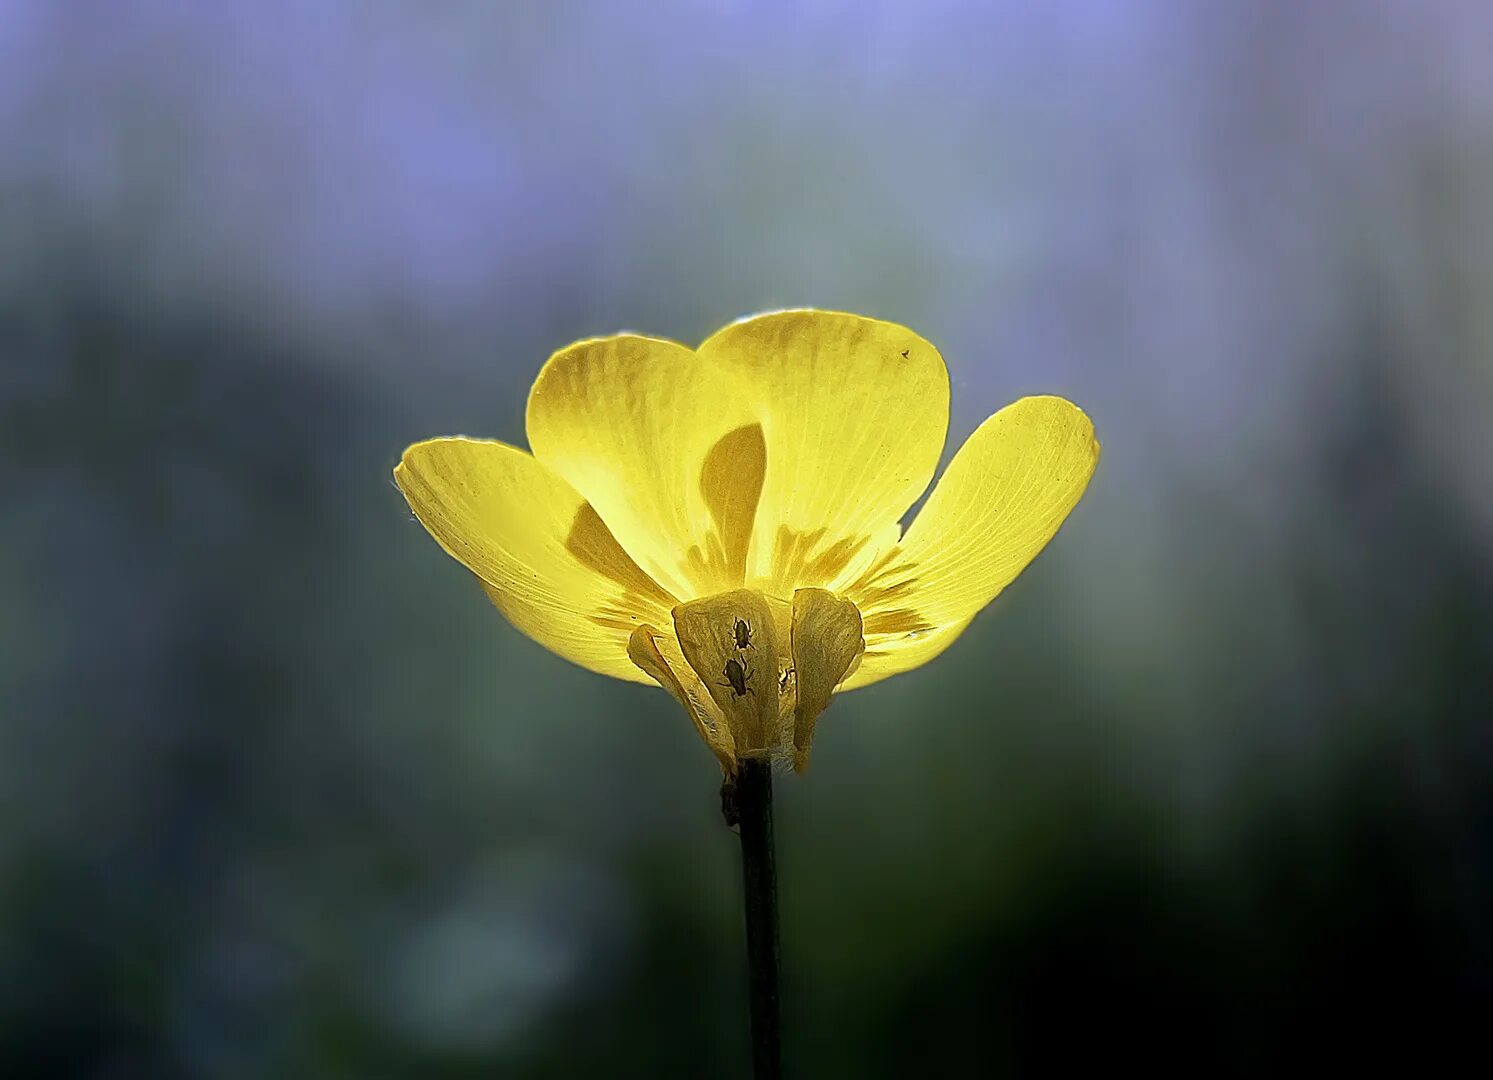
743, 631
737, 675
905, 352
730, 804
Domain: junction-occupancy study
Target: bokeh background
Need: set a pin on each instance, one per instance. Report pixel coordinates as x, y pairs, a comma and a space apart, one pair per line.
1209, 790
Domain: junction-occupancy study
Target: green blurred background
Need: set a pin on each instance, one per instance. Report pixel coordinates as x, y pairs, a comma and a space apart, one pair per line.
1208, 791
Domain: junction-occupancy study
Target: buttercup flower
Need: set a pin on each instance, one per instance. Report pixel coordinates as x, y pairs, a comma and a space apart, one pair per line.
724, 521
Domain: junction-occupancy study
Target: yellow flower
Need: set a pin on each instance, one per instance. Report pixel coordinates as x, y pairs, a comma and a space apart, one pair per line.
724, 520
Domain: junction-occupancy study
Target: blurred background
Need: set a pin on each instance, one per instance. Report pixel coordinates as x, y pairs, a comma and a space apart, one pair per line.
1208, 790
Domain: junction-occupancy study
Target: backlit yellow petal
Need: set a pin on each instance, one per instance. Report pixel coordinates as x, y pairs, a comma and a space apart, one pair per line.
854, 412
827, 641
542, 553
1002, 498
665, 447
893, 654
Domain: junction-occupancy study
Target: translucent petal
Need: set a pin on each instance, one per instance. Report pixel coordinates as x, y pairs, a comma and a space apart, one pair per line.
664, 446
1002, 498
854, 412
542, 553
827, 641
742, 679
888, 655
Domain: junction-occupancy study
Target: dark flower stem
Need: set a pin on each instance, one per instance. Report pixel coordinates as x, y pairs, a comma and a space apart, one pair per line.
748, 804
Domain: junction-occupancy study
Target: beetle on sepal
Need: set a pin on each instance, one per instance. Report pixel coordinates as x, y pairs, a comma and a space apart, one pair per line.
737, 676
743, 634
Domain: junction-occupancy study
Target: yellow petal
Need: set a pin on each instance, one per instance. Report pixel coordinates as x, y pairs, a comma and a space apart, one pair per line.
1002, 498
541, 552
888, 655
743, 680
854, 412
665, 447
827, 641
644, 650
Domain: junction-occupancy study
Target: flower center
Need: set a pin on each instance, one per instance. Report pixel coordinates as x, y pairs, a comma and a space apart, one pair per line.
754, 671
740, 645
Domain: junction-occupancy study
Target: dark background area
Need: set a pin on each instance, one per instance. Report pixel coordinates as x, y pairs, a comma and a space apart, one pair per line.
1209, 790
